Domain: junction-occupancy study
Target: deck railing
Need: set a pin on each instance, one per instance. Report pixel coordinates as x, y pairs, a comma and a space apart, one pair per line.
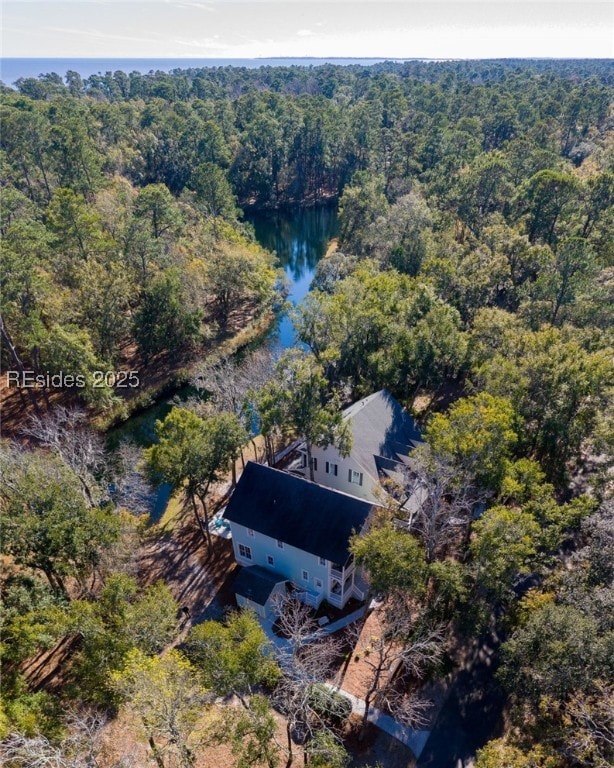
336, 600
309, 598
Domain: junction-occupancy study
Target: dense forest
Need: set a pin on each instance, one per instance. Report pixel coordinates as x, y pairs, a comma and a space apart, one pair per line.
473, 277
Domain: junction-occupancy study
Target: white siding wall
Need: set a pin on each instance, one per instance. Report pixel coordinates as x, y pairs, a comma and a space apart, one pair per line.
289, 561
244, 602
341, 481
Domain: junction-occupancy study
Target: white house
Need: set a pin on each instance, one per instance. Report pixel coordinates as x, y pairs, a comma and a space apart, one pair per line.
287, 529
383, 436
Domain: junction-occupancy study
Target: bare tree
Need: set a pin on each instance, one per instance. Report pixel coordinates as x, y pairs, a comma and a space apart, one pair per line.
591, 732
82, 747
85, 731
432, 503
295, 621
307, 661
66, 432
397, 657
131, 488
232, 384
230, 381
18, 751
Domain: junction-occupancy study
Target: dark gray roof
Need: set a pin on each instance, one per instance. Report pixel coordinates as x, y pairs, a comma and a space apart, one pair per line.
256, 583
380, 428
296, 511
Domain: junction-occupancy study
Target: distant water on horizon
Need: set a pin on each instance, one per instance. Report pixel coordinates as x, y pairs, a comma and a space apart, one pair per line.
11, 69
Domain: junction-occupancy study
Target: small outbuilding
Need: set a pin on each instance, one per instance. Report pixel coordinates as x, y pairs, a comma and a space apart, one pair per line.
257, 588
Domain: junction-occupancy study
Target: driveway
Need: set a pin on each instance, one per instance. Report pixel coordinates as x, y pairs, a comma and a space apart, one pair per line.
471, 714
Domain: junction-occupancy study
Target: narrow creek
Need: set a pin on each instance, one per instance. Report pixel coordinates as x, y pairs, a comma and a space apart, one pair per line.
299, 238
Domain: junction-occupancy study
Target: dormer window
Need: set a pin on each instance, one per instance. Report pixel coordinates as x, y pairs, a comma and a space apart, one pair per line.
355, 477
280, 544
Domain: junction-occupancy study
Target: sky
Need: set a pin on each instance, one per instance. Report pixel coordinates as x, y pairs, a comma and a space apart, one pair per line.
301, 28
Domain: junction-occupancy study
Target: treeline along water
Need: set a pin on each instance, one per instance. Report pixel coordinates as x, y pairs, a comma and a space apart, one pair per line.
299, 237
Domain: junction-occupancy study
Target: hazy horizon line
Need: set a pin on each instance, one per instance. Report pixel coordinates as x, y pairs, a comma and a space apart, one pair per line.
308, 58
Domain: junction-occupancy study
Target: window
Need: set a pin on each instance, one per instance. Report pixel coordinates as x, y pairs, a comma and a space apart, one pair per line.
280, 544
270, 559
323, 561
318, 583
331, 469
303, 460
250, 532
245, 551
355, 477
314, 464
305, 575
